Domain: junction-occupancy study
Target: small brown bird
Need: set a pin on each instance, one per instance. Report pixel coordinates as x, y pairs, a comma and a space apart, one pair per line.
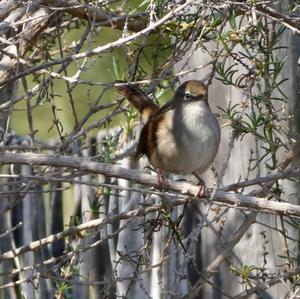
181, 137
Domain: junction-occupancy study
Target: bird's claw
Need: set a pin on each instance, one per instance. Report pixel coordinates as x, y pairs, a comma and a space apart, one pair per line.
201, 192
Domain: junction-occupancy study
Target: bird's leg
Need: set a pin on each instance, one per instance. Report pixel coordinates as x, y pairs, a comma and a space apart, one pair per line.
202, 188
161, 177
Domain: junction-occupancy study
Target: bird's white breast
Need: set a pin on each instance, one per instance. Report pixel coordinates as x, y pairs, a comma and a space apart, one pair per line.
188, 140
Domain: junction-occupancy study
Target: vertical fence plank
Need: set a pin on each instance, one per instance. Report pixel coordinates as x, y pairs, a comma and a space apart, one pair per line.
250, 250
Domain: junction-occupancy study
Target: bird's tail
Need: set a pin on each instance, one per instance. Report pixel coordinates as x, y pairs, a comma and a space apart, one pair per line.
138, 99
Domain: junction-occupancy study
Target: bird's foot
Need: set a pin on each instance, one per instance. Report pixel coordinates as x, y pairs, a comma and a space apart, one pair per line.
161, 178
201, 192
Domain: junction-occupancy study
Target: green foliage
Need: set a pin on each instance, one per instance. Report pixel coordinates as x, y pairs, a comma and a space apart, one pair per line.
249, 274
118, 74
62, 289
249, 61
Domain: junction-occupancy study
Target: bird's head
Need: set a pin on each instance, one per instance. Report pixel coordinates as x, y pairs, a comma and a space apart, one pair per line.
190, 91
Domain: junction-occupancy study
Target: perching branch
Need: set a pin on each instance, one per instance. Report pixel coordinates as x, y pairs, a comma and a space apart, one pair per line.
235, 200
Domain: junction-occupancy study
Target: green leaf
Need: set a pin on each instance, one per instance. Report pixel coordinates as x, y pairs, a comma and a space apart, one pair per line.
116, 68
232, 19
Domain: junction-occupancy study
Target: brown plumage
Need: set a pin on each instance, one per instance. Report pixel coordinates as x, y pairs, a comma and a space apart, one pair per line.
139, 100
147, 109
182, 136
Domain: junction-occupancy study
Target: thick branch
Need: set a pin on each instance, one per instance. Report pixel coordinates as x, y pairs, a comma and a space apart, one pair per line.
92, 12
6, 7
284, 18
33, 29
288, 20
222, 198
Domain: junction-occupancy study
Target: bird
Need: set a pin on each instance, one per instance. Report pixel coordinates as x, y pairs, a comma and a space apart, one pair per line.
180, 137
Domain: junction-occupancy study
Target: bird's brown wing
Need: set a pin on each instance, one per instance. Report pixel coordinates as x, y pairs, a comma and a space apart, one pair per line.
139, 100
148, 137
151, 114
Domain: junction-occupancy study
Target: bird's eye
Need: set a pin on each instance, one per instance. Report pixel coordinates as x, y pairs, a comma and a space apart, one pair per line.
187, 96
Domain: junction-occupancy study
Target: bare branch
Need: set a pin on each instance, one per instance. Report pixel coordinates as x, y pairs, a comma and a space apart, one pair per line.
99, 50
97, 223
267, 284
235, 200
225, 253
135, 23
